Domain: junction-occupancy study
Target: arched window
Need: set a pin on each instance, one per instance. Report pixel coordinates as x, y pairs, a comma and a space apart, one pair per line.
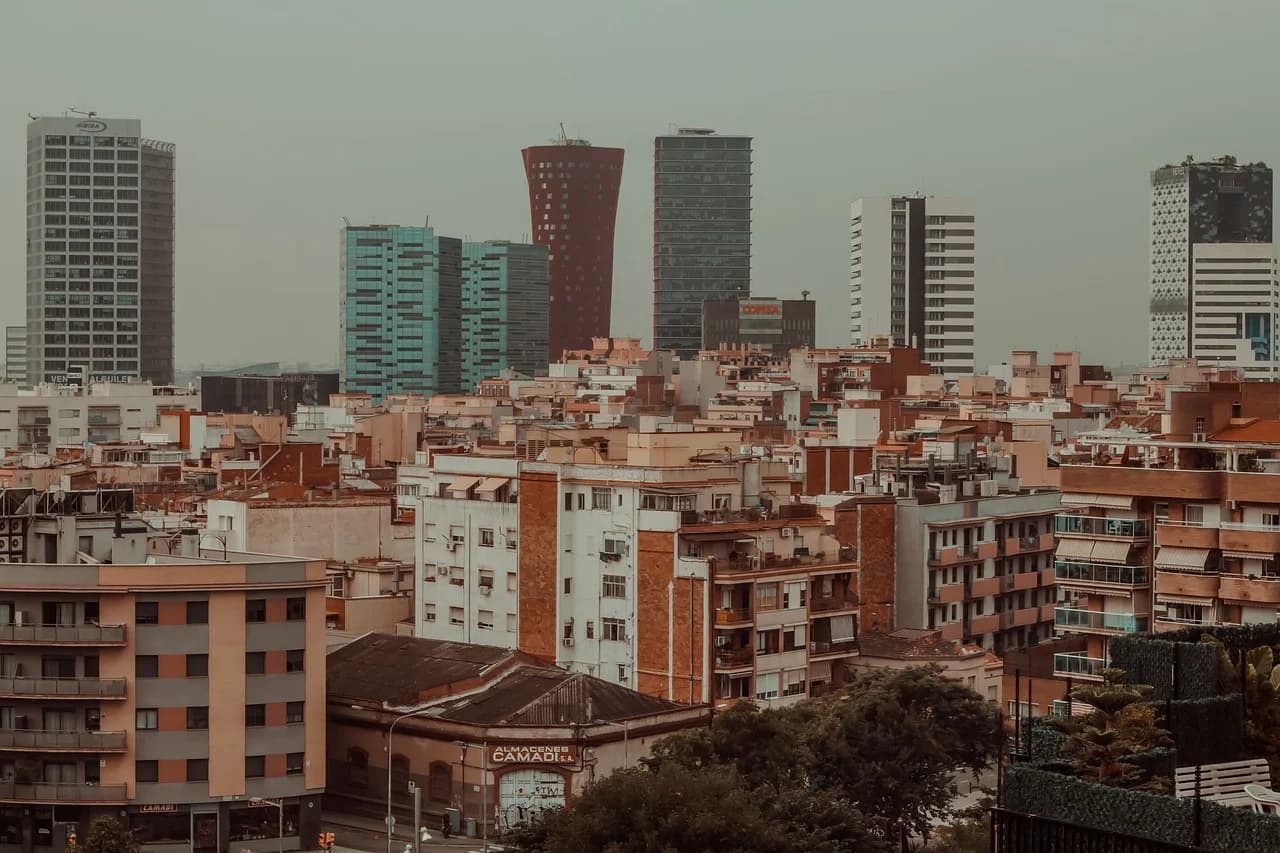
440, 783
400, 775
357, 768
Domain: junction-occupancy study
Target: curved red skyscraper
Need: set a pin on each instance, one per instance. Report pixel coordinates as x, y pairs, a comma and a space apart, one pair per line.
573, 202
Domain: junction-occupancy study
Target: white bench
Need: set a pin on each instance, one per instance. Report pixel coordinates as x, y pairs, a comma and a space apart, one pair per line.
1223, 783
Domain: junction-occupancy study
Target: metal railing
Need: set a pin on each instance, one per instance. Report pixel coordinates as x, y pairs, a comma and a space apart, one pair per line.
733, 657
1249, 525
1070, 617
1090, 525
830, 647
25, 793
83, 634
735, 614
1014, 832
1078, 664
36, 739
1098, 573
821, 605
111, 688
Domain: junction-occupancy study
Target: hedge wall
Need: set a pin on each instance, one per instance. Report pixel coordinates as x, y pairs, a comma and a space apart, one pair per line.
1041, 742
1206, 731
1151, 660
1035, 791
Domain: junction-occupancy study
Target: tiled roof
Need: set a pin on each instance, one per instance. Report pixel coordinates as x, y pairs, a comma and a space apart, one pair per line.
1257, 431
396, 670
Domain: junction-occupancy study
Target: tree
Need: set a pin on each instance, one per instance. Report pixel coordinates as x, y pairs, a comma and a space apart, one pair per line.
1121, 725
107, 835
969, 833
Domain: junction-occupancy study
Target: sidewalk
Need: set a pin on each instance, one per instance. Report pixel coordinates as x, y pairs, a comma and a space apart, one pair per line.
361, 834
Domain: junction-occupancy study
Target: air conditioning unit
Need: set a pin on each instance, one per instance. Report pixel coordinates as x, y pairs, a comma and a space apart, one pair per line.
567, 641
1197, 436
443, 571
787, 532
21, 618
451, 545
486, 590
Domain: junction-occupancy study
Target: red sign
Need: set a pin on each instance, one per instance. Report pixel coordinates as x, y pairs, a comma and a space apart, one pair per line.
759, 308
541, 754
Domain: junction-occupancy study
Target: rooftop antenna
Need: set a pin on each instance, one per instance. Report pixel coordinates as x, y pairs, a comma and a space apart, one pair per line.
564, 137
804, 294
346, 221
85, 113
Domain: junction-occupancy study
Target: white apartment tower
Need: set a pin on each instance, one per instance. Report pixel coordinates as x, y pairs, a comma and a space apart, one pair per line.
1235, 305
100, 248
911, 276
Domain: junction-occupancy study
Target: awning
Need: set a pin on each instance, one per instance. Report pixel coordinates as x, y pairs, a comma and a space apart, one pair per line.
842, 629
1247, 555
1079, 550
462, 484
1069, 499
1108, 501
1170, 557
1184, 599
492, 484
1111, 552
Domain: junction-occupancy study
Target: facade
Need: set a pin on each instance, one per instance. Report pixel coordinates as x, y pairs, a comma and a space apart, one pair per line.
280, 394
505, 309
701, 231
778, 325
1235, 302
69, 417
100, 222
401, 311
114, 701
15, 355
911, 276
573, 203
1218, 201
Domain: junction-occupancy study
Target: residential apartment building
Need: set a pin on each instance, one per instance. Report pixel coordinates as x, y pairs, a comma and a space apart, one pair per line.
1192, 204
1235, 299
778, 325
505, 305
15, 355
55, 417
100, 244
401, 311
114, 701
1174, 527
911, 276
573, 203
701, 231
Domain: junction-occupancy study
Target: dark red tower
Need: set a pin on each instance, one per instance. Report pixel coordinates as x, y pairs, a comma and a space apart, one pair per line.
573, 202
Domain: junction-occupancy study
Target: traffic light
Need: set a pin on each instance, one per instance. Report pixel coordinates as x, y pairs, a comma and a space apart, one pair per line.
325, 841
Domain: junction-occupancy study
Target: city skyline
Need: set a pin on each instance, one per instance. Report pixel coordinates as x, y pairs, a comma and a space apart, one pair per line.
252, 218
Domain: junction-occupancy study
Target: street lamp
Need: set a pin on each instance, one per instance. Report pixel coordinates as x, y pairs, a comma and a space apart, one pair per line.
279, 804
626, 739
484, 786
390, 731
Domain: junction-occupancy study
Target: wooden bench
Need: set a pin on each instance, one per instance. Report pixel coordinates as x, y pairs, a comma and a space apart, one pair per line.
1223, 783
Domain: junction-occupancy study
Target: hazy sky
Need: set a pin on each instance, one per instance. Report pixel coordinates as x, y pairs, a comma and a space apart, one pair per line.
291, 115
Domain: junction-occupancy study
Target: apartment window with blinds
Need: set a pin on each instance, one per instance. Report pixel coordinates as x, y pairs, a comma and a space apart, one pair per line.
614, 586
793, 682
767, 685
601, 497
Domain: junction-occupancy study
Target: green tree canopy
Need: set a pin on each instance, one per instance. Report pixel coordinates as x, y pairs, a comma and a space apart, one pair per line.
107, 835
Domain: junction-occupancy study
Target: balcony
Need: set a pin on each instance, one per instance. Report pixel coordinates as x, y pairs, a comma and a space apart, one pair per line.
733, 658
62, 688
733, 616
954, 555
62, 635
106, 418
1092, 621
1194, 584
982, 587
1096, 526
27, 418
832, 648
1079, 666
1260, 539
1182, 534
1019, 618
1072, 573
31, 794
767, 562
1246, 590
987, 624
25, 740
1015, 545
832, 603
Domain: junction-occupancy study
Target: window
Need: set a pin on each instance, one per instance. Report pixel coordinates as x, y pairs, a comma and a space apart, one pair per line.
294, 712
666, 502
429, 532
146, 613
511, 623
613, 629
622, 673
255, 663
767, 596
455, 616
1271, 519
793, 682
146, 771
793, 638
601, 497
486, 579
293, 764
486, 537
255, 766
511, 582
197, 666
198, 717
512, 538
485, 620
146, 666
255, 715
568, 501
146, 718
293, 660
614, 586
197, 612
255, 610
295, 609
793, 594
428, 612
568, 586
440, 782
1193, 514
197, 770
767, 685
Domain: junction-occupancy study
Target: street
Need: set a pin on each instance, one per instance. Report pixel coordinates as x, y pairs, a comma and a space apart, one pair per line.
359, 835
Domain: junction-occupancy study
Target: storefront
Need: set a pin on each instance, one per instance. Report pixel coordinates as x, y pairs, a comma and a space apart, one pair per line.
530, 780
228, 826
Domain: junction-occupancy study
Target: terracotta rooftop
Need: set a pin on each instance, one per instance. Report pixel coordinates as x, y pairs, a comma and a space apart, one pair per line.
1256, 431
915, 644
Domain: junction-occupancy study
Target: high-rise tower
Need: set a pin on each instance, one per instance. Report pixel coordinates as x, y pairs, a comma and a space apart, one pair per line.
573, 202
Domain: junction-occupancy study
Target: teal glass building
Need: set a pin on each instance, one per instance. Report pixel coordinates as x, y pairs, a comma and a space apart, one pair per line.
505, 310
401, 311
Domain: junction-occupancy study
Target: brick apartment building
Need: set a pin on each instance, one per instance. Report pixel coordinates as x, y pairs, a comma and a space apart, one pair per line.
116, 698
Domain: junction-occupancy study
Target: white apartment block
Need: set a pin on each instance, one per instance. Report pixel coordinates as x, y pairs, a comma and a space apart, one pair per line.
50, 417
911, 276
466, 551
1235, 303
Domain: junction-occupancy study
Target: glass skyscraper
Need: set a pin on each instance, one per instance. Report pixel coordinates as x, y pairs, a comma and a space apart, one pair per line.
504, 310
401, 311
701, 231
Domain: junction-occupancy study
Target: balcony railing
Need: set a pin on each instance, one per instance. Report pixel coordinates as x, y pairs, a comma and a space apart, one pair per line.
833, 647
1249, 525
1078, 665
71, 688
25, 793
1124, 623
834, 602
729, 658
1065, 570
736, 614
52, 741
1090, 525
80, 635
